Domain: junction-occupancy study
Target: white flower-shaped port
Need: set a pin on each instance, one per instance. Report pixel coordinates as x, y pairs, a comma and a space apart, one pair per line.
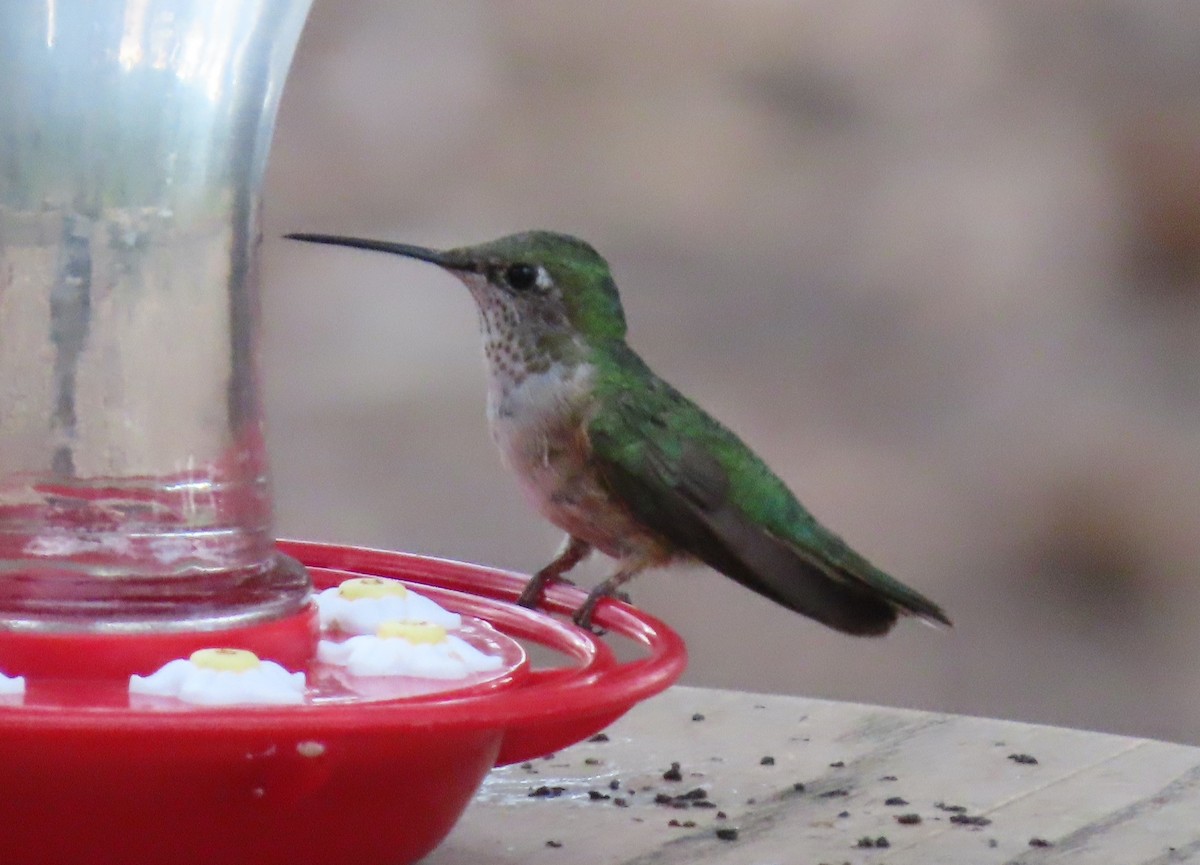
418, 649
11, 686
361, 605
222, 677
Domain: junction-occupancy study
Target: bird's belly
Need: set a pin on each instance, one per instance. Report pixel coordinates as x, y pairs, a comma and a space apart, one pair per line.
559, 483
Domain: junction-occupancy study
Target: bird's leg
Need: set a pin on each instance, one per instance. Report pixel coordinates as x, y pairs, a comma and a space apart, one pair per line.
572, 553
607, 589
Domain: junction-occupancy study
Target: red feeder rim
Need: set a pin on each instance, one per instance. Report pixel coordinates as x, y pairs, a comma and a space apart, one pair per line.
379, 782
540, 710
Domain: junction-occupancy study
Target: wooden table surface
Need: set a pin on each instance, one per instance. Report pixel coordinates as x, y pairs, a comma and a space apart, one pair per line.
794, 780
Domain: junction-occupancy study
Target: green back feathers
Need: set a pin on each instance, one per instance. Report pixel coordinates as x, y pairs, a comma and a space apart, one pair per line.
693, 481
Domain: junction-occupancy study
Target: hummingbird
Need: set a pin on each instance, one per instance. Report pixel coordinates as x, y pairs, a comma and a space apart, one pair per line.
623, 462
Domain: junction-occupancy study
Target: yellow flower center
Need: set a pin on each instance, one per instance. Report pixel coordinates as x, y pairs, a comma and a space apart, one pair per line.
225, 660
371, 587
414, 632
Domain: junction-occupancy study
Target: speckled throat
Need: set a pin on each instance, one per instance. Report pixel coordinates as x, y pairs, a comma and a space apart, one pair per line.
520, 340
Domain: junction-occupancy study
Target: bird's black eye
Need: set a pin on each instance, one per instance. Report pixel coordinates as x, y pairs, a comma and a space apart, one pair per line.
521, 277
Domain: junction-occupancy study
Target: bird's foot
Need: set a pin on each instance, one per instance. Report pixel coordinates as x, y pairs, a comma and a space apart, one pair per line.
583, 616
531, 595
584, 620
587, 610
573, 552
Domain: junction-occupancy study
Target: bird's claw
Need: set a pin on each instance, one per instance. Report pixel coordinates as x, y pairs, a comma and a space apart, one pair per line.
583, 616
531, 596
583, 619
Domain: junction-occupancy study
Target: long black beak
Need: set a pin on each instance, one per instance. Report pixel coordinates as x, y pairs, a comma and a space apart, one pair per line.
421, 253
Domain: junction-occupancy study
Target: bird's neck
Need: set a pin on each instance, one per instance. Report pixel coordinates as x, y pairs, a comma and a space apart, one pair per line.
515, 361
516, 348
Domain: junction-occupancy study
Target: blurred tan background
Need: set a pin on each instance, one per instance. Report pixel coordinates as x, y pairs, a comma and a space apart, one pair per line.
939, 262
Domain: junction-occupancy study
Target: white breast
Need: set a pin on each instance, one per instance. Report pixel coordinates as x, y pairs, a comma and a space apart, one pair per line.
533, 421
539, 404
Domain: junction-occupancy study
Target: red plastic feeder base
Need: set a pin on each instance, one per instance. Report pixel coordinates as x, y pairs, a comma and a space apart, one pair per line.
88, 778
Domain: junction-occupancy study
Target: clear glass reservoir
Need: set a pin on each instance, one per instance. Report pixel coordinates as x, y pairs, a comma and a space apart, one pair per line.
134, 489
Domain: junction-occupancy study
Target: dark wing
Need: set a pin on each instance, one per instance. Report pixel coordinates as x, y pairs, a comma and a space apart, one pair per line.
675, 483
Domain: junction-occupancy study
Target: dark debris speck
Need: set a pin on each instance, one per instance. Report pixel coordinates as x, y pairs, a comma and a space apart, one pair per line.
798, 787
1039, 842
729, 834
968, 820
621, 802
597, 796
889, 778
544, 792
1024, 759
895, 801
838, 764
692, 798
599, 737
698, 717
842, 815
673, 774
592, 761
682, 824
553, 843
868, 843
908, 819
614, 784
834, 794
953, 809
767, 761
